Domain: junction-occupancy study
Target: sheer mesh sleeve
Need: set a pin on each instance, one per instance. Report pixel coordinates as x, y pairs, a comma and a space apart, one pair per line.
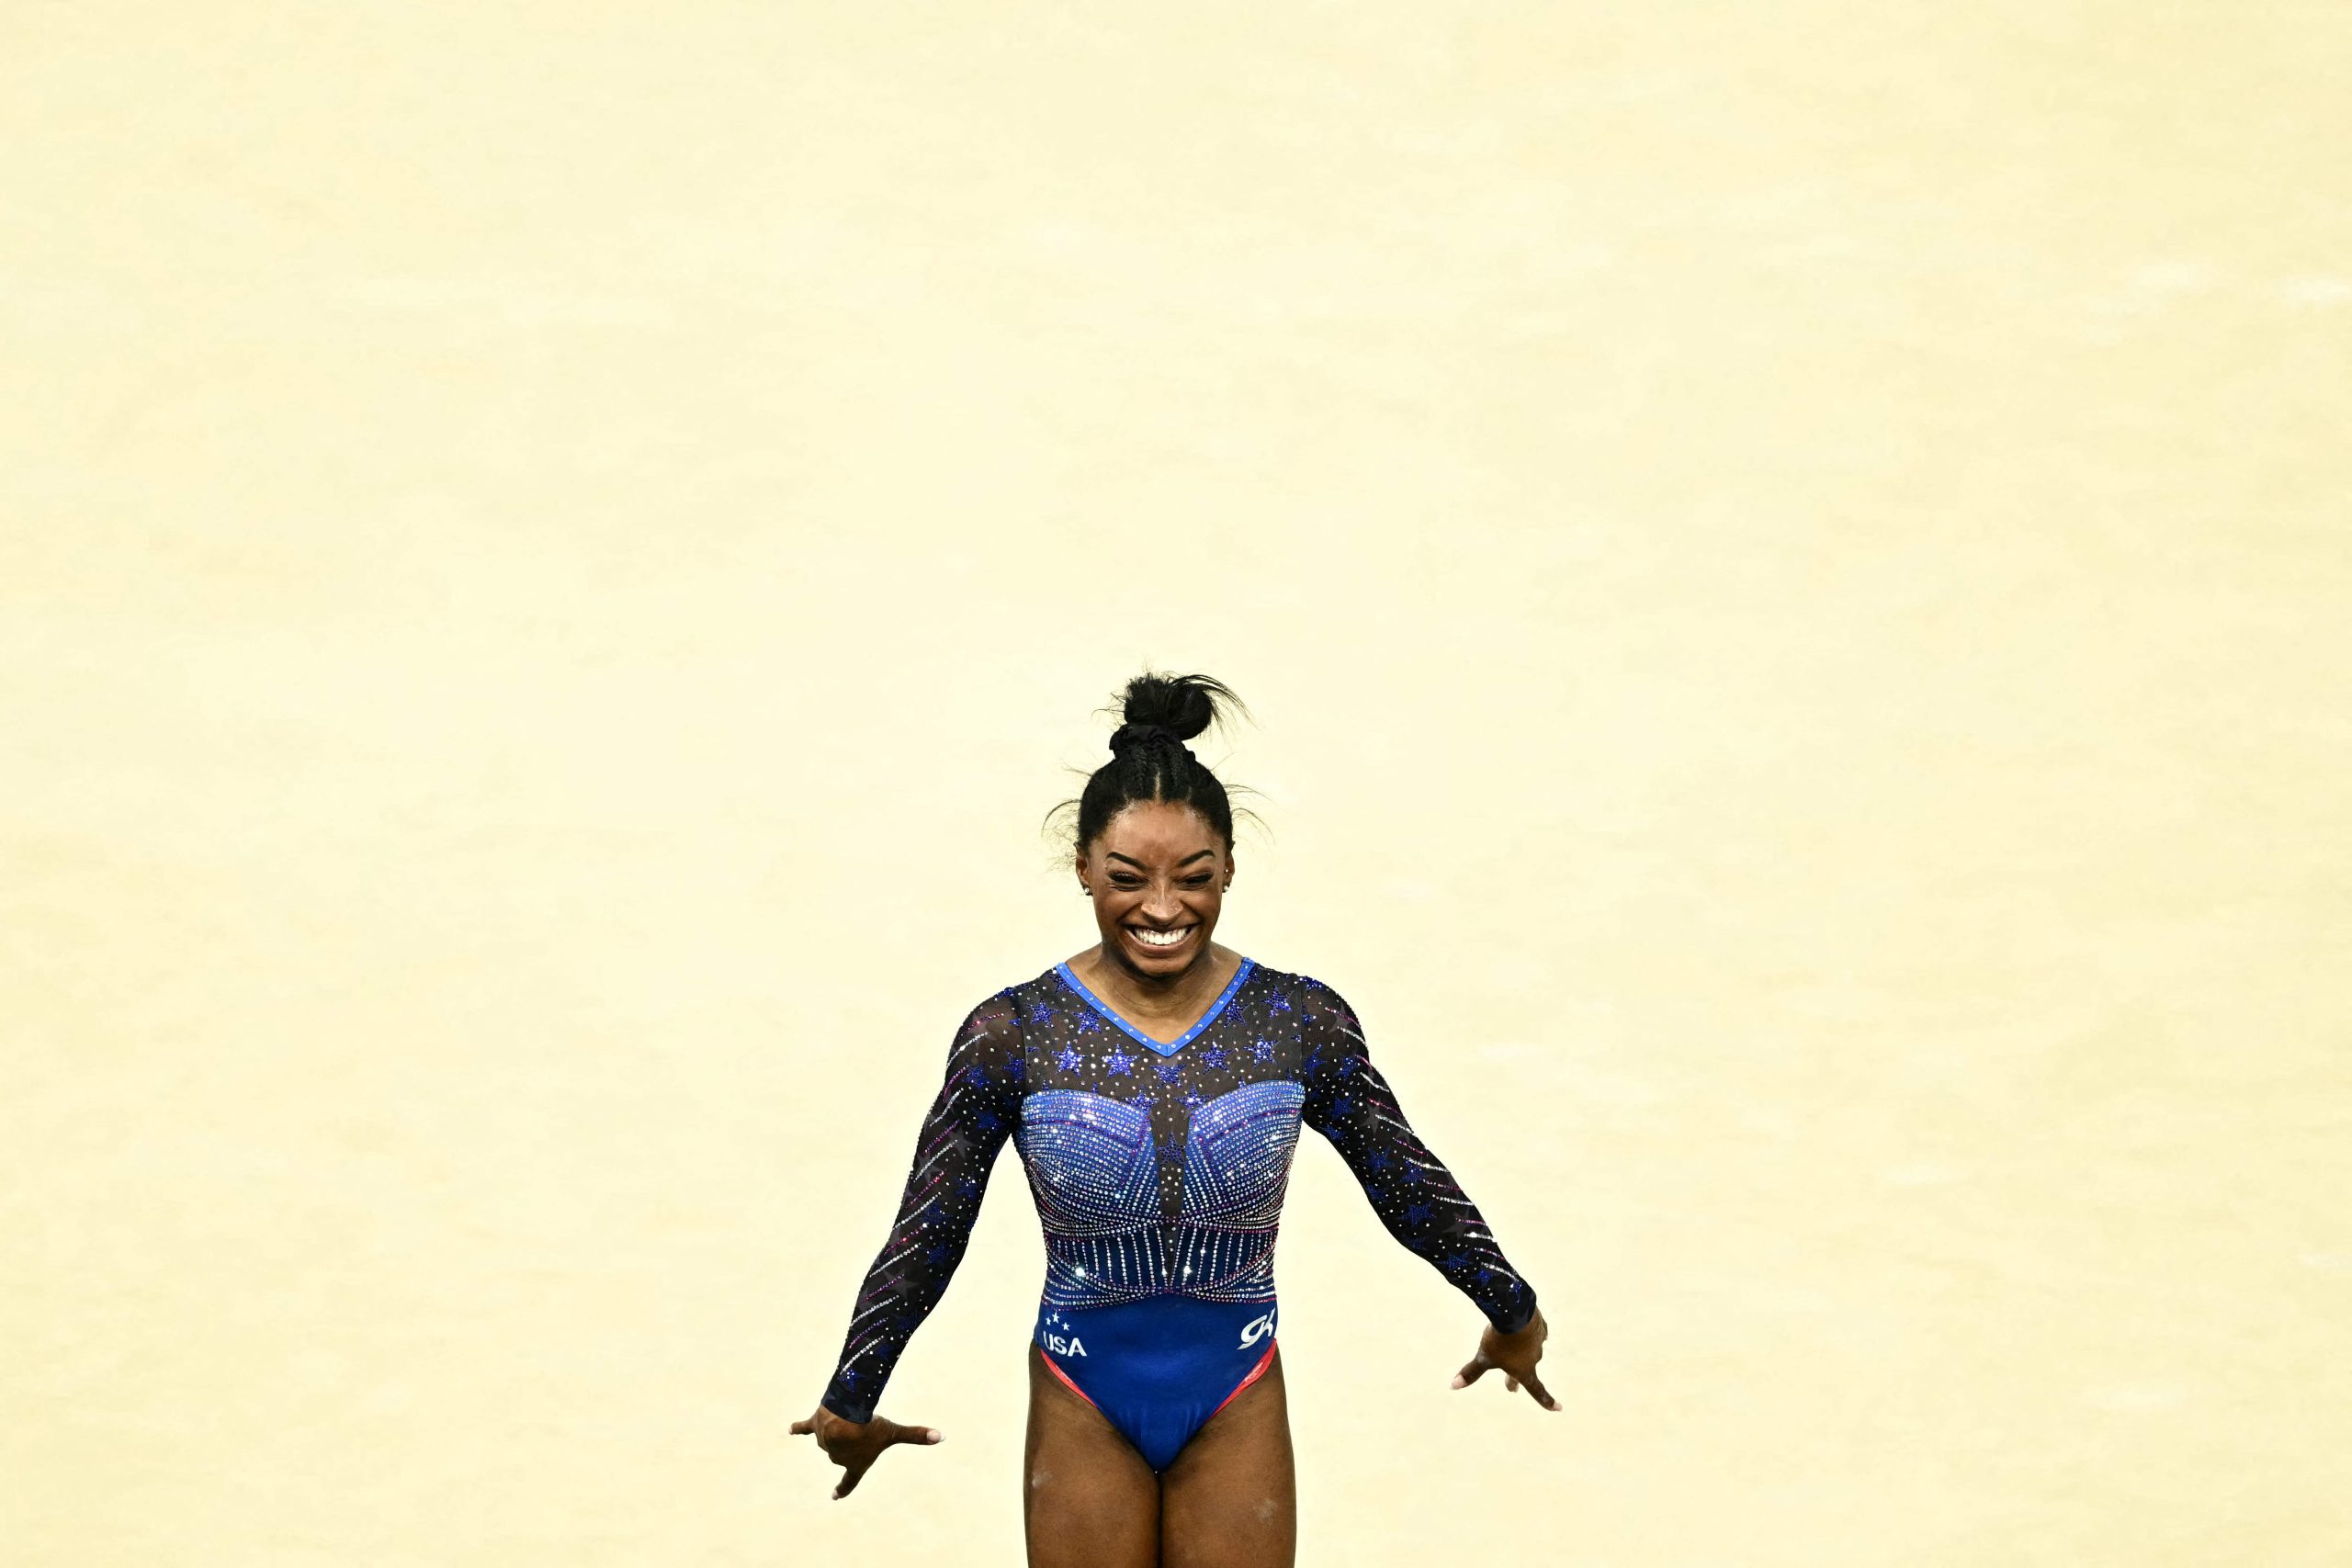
974, 1113
1416, 1197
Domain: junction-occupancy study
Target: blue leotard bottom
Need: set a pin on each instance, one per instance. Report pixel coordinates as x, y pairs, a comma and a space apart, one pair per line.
1158, 1368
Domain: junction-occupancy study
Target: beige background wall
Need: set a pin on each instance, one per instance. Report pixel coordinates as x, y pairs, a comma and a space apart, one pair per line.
1791, 563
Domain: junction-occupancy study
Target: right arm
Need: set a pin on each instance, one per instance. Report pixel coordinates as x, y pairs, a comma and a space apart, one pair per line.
977, 1104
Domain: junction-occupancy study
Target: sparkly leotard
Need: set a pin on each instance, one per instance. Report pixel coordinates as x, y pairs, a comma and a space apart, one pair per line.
1158, 1169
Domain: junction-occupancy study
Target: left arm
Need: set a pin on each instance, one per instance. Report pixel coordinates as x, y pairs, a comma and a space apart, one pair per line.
1416, 1197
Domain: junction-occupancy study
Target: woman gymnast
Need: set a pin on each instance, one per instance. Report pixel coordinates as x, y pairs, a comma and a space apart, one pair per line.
1154, 1085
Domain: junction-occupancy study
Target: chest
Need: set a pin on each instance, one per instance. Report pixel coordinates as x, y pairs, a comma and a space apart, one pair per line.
1114, 1132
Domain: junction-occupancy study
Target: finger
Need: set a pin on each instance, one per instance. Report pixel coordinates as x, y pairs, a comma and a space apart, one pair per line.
900, 1432
1472, 1371
1510, 1383
1543, 1396
849, 1482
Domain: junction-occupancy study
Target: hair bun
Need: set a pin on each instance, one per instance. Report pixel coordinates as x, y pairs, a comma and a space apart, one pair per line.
1183, 705
1128, 736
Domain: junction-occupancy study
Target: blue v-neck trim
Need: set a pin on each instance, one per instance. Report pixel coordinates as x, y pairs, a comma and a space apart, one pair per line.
1165, 1047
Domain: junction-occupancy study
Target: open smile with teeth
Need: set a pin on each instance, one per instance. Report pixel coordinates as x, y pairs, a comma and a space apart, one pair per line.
1161, 939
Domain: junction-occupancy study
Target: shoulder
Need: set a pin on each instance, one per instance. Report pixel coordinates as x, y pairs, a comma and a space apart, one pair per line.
1315, 999
1296, 980
994, 1021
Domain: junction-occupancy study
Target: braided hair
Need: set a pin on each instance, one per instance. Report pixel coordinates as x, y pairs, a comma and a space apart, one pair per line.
1149, 760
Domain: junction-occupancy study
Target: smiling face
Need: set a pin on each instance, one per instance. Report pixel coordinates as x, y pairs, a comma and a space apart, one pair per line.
1157, 870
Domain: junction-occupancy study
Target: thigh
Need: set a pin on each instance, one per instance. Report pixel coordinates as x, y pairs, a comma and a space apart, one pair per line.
1087, 1500
1231, 1498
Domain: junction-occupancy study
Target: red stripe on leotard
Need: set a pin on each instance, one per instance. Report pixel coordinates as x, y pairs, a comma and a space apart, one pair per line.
1071, 1386
1263, 1362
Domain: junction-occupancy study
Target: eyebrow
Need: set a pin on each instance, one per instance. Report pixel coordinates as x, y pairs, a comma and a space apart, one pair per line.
1140, 867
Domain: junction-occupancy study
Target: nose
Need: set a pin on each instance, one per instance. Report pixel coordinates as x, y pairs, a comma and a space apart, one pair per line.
1163, 907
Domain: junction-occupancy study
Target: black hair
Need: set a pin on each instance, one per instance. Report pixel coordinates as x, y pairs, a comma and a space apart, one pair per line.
1149, 760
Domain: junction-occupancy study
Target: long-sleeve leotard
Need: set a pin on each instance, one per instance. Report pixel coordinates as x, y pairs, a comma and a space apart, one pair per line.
1157, 1167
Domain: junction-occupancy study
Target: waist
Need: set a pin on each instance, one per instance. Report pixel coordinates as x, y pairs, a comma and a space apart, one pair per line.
1202, 1261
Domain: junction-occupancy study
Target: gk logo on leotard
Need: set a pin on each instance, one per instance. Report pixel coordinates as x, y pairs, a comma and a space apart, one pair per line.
1256, 1328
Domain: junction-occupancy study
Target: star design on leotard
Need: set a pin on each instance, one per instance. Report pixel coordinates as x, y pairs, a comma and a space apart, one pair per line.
1070, 1061
1169, 1071
1214, 1057
1119, 1062
1262, 1051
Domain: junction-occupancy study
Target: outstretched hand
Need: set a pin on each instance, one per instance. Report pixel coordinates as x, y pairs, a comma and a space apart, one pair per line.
1516, 1355
856, 1445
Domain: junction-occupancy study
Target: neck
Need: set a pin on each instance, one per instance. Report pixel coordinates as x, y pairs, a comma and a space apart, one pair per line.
1176, 994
